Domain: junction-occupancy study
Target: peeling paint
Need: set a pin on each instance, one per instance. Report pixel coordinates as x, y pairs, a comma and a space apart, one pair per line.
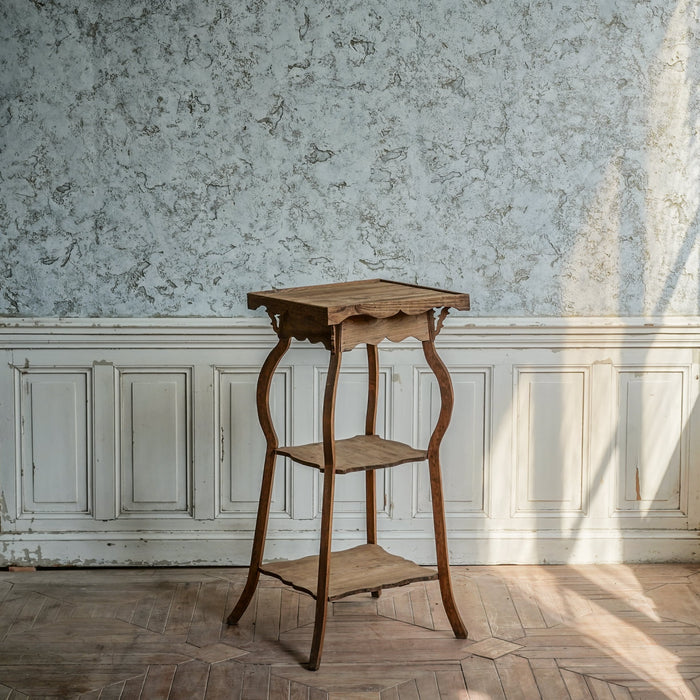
4, 512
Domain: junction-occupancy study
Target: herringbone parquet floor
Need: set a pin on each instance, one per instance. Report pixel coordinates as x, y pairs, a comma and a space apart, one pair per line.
556, 632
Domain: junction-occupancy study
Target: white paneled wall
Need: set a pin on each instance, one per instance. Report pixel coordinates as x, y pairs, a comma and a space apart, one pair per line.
137, 442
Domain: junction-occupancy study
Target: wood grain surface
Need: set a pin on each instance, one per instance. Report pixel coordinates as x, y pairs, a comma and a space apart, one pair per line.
357, 453
553, 632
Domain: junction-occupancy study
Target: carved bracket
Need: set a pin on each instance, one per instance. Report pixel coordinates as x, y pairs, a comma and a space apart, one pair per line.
276, 320
441, 319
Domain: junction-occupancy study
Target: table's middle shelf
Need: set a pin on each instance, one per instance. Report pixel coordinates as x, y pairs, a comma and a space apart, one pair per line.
354, 454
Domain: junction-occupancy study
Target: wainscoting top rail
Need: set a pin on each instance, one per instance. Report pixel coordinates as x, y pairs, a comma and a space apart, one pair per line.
512, 332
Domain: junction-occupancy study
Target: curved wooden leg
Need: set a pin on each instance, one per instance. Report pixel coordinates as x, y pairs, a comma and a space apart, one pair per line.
324, 559
447, 401
370, 428
263, 406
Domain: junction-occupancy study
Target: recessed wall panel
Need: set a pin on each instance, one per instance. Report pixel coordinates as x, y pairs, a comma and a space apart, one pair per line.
155, 442
54, 415
350, 413
242, 444
650, 440
551, 446
462, 452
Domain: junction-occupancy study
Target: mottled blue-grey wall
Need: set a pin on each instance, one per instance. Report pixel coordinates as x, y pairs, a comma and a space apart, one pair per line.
163, 158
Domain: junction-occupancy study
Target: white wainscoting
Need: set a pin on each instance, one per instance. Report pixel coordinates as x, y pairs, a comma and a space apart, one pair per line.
137, 442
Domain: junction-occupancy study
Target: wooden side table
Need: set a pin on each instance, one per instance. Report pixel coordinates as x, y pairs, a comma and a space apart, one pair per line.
342, 316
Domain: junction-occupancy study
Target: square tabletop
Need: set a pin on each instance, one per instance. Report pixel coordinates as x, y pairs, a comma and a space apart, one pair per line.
330, 304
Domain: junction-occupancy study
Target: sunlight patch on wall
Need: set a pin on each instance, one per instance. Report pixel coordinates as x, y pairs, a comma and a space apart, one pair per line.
673, 187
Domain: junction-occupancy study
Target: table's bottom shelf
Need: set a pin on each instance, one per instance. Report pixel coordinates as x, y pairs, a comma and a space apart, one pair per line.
364, 568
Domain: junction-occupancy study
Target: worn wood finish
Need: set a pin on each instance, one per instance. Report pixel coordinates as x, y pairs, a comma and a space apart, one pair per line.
341, 316
447, 401
330, 304
366, 329
363, 568
370, 429
268, 428
372, 389
356, 329
356, 454
145, 634
324, 559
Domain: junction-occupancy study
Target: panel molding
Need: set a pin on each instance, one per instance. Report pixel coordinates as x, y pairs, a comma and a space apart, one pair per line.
66, 489
252, 452
632, 491
155, 441
535, 440
493, 363
426, 407
350, 414
255, 333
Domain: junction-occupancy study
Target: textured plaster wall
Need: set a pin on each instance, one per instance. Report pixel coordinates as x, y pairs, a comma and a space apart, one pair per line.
163, 158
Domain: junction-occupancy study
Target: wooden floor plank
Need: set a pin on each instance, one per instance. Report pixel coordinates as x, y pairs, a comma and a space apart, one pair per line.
49, 612
437, 609
620, 692
158, 682
158, 615
209, 613
500, 611
225, 681
243, 631
111, 692
190, 681
427, 685
267, 621
516, 677
600, 690
469, 602
408, 691
402, 607
138, 613
614, 632
307, 610
679, 602
525, 602
482, 679
298, 691
385, 606
576, 685
451, 683
390, 693
355, 606
9, 610
182, 608
256, 681
278, 688
133, 687
16, 695
289, 609
24, 620
549, 680
421, 607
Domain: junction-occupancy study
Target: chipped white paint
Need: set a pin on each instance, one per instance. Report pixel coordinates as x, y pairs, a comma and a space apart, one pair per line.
572, 442
163, 159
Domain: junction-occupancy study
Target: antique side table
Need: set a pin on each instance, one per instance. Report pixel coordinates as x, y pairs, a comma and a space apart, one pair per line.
342, 316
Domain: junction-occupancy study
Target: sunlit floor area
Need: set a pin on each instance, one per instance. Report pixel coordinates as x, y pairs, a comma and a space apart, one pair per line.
606, 631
